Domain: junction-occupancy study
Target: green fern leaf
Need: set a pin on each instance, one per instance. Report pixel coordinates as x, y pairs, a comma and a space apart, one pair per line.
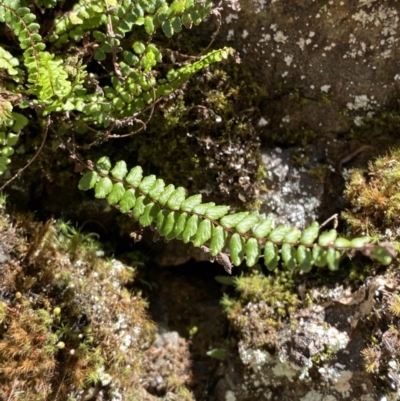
271, 256
128, 201
189, 203
327, 238
319, 256
103, 187
157, 189
201, 209
120, 170
216, 212
149, 215
292, 235
161, 216
180, 225
310, 234
135, 176
236, 249
278, 233
333, 259
147, 183
88, 180
342, 243
170, 224
203, 233
191, 228
289, 256
360, 242
104, 165
177, 197
168, 191
231, 220
247, 223
252, 250
140, 205
264, 227
217, 240
116, 193
304, 258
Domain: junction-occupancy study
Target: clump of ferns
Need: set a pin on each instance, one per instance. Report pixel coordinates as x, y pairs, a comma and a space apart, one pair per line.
375, 198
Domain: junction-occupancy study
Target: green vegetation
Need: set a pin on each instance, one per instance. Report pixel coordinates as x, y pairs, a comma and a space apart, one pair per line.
249, 235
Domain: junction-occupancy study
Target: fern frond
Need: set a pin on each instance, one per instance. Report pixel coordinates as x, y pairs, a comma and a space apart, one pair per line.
8, 62
174, 215
50, 80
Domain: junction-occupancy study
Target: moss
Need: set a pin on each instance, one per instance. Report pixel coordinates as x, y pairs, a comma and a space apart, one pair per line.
68, 324
374, 196
203, 138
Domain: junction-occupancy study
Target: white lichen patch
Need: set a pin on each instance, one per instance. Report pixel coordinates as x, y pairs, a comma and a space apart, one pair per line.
279, 37
286, 369
230, 396
254, 357
343, 384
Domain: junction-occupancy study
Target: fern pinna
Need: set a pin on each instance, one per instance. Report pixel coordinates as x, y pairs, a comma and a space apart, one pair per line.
247, 235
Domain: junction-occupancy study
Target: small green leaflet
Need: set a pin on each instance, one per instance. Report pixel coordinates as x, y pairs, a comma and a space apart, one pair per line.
201, 209
116, 193
236, 249
278, 233
310, 234
252, 252
138, 210
128, 201
360, 242
248, 222
292, 236
157, 189
216, 212
103, 188
161, 216
169, 225
135, 176
304, 258
319, 256
342, 243
177, 197
88, 181
289, 256
217, 353
264, 227
147, 183
190, 229
271, 256
231, 220
333, 259
327, 238
191, 202
103, 165
203, 233
180, 225
167, 29
169, 189
217, 240
382, 255
148, 25
120, 170
149, 215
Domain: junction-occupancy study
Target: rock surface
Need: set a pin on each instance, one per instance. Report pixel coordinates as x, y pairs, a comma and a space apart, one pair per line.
324, 66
